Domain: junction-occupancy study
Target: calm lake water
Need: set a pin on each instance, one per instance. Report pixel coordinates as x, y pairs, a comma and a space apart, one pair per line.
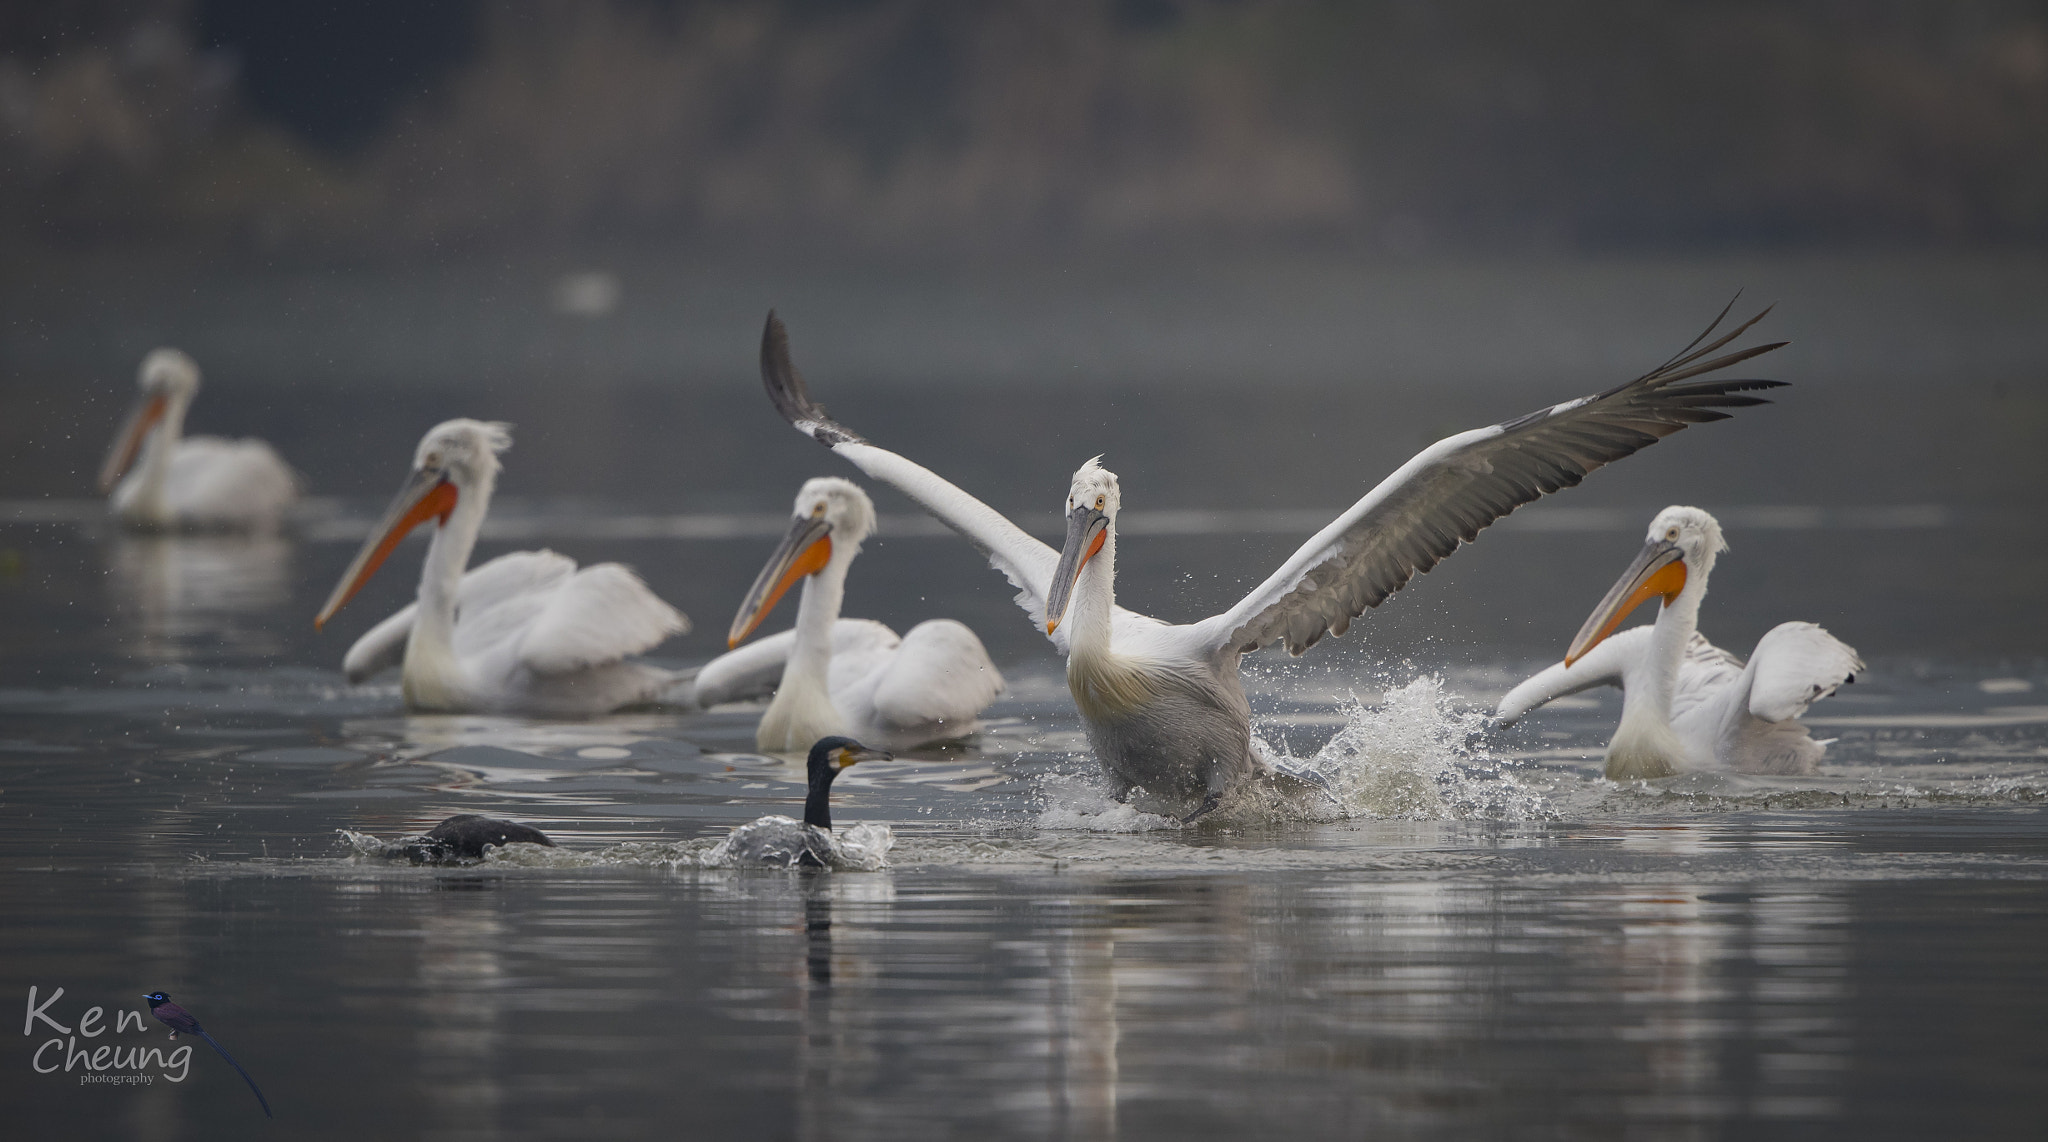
1487, 940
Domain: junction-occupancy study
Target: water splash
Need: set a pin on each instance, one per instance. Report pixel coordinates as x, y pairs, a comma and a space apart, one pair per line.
860, 848
1411, 757
1408, 757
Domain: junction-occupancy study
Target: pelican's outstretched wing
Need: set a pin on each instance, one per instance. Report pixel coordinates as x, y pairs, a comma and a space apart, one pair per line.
1025, 561
1455, 487
1795, 665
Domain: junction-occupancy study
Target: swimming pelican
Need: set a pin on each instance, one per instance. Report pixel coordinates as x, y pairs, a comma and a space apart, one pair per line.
840, 676
525, 633
202, 483
1686, 704
778, 842
1162, 703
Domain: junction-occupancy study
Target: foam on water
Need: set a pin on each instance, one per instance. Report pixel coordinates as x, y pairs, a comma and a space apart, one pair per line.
1410, 757
859, 848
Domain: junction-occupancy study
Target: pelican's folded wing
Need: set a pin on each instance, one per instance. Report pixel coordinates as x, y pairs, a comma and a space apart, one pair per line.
1602, 666
941, 675
483, 586
1796, 665
600, 614
755, 670
1027, 562
1457, 486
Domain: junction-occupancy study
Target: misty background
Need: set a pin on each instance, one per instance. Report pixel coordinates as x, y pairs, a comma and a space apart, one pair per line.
1256, 252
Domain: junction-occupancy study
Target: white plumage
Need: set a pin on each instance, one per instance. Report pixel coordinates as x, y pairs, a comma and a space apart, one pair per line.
847, 677
173, 482
526, 632
1162, 703
1688, 705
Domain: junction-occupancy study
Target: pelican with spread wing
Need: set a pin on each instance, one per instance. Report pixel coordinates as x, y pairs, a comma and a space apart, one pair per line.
1164, 708
1687, 704
526, 633
158, 479
833, 676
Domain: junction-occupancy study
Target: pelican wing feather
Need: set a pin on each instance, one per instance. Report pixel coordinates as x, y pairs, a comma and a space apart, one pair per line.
1025, 561
484, 586
1450, 491
1795, 665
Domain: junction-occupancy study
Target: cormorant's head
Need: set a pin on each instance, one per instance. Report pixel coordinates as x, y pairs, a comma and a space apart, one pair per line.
830, 755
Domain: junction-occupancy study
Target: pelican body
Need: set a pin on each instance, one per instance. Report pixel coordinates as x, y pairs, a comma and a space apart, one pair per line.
779, 842
525, 633
1163, 704
157, 479
845, 677
1687, 705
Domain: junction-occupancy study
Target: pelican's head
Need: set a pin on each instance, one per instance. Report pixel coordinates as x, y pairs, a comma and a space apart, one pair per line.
167, 377
168, 371
1092, 503
829, 521
1679, 551
454, 457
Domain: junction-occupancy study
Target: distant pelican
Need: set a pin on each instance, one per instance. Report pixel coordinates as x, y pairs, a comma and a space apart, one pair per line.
1687, 705
1163, 705
526, 633
841, 676
778, 842
201, 483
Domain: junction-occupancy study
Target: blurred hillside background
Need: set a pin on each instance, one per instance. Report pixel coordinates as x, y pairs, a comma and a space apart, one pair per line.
1258, 252
379, 129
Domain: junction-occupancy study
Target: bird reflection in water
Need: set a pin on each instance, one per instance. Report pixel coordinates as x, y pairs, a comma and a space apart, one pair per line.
185, 593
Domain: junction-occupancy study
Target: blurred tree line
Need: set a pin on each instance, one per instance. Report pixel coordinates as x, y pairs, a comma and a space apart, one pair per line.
390, 127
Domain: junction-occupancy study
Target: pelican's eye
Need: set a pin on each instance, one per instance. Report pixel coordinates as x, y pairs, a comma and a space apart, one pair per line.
1671, 534
817, 511
1099, 501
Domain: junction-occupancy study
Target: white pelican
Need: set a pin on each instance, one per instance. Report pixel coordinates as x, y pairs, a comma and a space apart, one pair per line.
1686, 704
841, 677
205, 483
1162, 703
525, 633
778, 842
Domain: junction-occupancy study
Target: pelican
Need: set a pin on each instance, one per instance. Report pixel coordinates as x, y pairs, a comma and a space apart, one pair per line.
840, 676
1687, 704
778, 842
1163, 705
526, 633
201, 483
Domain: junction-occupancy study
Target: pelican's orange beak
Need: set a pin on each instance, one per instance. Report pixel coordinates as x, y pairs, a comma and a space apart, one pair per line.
1087, 531
804, 551
145, 415
1659, 570
427, 495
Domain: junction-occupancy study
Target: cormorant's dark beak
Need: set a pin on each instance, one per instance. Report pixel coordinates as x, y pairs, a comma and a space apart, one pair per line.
850, 756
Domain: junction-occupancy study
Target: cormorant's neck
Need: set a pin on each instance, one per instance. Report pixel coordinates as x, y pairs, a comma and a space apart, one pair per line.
818, 804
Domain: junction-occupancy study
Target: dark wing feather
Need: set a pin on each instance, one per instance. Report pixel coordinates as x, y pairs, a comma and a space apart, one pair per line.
1456, 487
